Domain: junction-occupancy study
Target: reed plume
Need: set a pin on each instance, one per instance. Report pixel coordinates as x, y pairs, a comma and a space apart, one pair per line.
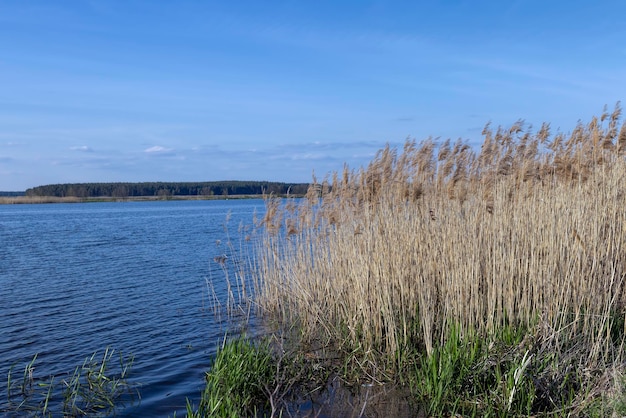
528, 229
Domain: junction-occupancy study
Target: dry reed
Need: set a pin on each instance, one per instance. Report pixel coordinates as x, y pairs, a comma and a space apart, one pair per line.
530, 229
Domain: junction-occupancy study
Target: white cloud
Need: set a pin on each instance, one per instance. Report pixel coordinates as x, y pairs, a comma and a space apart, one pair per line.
83, 148
12, 144
308, 156
157, 149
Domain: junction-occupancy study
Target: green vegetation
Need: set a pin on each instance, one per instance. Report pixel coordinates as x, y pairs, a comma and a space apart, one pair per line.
121, 190
489, 283
238, 382
505, 376
96, 388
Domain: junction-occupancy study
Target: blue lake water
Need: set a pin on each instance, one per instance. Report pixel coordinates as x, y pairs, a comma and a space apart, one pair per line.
77, 278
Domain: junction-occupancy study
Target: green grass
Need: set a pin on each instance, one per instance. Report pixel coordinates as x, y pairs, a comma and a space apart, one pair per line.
92, 388
238, 382
441, 376
96, 388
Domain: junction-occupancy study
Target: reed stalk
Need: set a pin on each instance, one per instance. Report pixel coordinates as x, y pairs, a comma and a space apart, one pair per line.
529, 232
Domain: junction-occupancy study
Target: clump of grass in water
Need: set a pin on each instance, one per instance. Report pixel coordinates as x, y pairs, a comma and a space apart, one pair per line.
236, 384
93, 389
26, 390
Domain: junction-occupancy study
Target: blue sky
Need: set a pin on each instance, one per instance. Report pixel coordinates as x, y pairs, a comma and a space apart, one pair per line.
99, 91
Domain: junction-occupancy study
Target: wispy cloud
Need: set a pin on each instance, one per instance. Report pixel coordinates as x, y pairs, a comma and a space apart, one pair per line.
157, 149
309, 156
332, 145
83, 148
11, 144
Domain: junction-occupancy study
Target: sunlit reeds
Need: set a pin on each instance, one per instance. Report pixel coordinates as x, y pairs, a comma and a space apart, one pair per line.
530, 229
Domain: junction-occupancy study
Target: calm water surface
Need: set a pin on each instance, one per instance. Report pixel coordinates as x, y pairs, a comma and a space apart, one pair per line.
76, 278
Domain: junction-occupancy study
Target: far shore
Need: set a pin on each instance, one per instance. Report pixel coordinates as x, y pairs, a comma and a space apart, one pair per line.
9, 200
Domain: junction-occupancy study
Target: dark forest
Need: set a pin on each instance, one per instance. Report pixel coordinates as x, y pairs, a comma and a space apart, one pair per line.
215, 188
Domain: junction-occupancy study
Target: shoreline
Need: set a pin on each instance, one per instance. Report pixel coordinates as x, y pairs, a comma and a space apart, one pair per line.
18, 200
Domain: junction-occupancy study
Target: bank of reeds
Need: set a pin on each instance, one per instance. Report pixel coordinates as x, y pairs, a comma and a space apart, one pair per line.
529, 233
15, 200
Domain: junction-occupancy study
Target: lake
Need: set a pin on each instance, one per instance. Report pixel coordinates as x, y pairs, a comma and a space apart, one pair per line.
132, 276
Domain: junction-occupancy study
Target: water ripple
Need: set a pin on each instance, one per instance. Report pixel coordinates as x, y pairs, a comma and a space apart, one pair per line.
77, 278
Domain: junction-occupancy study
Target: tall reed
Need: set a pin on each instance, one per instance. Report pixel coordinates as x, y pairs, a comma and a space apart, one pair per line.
529, 229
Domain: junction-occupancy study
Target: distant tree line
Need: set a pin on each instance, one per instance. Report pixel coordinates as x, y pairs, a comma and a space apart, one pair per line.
11, 194
215, 188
